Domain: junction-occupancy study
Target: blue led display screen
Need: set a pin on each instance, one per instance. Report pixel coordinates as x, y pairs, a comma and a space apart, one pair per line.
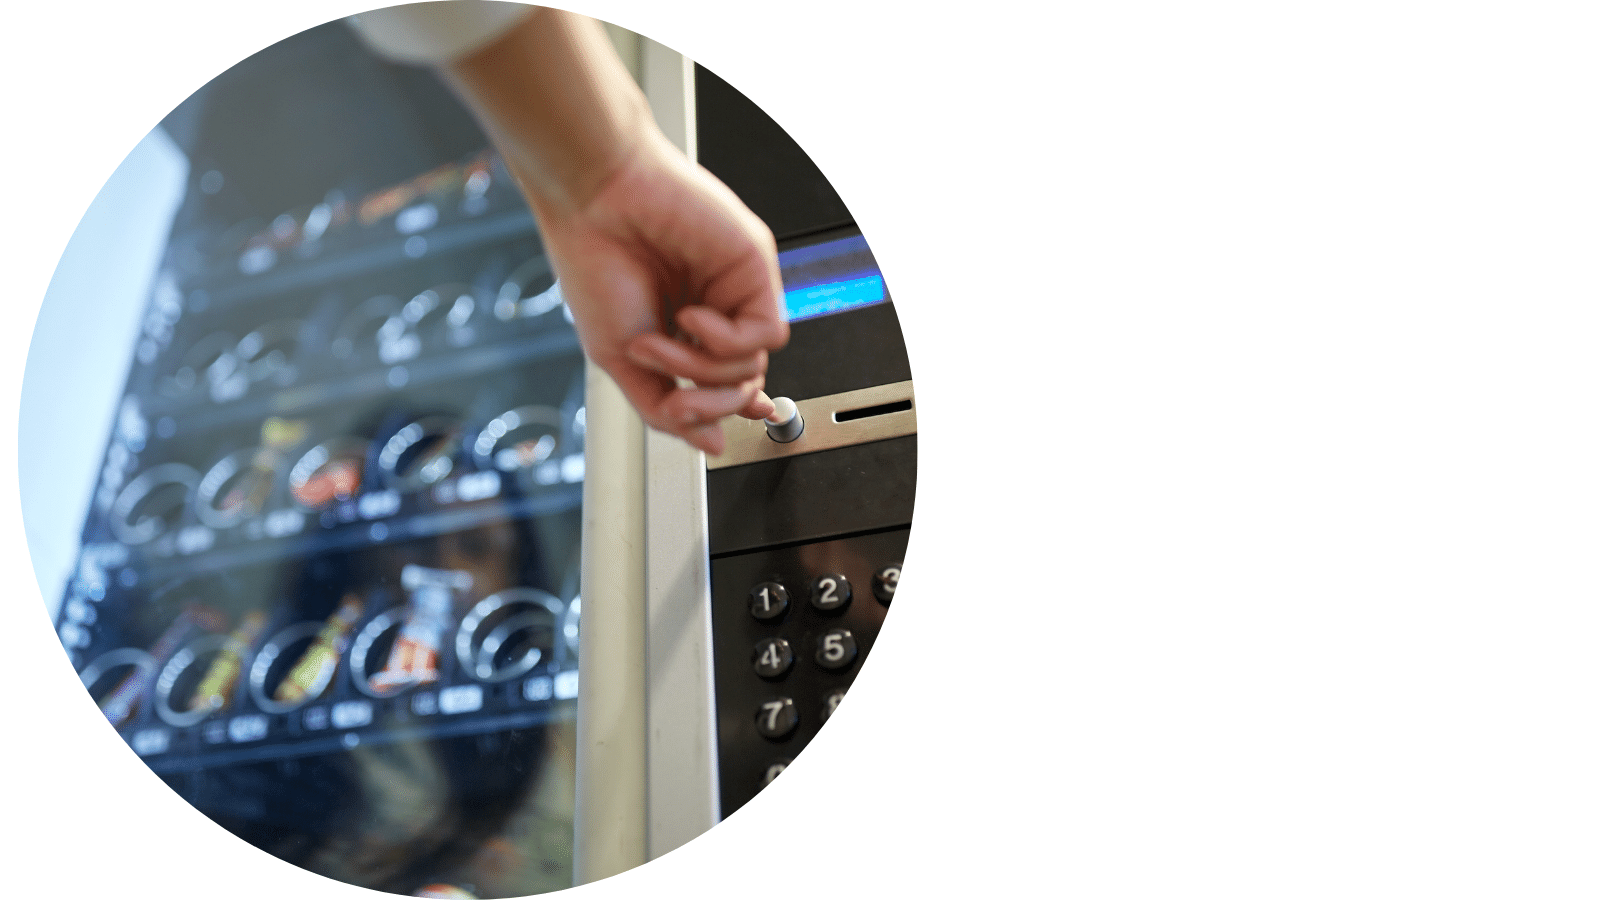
829, 277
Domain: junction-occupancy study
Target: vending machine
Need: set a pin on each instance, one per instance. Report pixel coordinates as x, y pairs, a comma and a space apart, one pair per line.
339, 586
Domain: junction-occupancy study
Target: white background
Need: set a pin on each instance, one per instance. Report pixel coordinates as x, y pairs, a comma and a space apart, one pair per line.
1256, 375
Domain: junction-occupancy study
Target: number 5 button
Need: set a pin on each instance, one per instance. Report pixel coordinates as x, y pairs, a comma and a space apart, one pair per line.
836, 649
776, 718
830, 592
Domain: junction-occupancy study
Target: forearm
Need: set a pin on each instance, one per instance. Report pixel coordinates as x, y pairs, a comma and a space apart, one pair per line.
558, 103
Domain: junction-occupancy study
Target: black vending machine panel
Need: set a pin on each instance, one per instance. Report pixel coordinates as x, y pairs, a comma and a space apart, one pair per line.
328, 587
806, 537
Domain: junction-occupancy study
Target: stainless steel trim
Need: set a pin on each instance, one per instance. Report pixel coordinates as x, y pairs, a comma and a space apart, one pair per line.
683, 798
748, 441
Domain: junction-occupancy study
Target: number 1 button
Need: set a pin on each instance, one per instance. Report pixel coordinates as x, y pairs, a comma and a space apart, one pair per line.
776, 718
830, 592
768, 600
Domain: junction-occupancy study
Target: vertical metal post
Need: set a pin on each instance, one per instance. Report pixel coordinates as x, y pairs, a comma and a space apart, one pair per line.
681, 772
646, 779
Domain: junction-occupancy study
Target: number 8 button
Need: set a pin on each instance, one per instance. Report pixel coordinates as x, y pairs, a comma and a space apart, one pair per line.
830, 592
836, 649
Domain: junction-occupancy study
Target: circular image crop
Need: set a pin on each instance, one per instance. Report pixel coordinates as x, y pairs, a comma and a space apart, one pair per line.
326, 552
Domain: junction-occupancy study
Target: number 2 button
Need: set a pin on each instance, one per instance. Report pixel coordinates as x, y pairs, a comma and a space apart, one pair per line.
830, 592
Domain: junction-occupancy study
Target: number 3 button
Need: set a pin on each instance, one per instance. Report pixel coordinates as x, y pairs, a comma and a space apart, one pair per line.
836, 649
830, 592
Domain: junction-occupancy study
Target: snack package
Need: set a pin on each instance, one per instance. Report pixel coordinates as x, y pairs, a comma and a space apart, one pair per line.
313, 672
215, 690
414, 659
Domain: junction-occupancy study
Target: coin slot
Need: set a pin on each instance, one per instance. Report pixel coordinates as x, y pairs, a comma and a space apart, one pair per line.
867, 412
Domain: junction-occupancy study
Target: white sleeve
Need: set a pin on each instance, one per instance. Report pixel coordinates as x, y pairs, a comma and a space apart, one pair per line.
433, 33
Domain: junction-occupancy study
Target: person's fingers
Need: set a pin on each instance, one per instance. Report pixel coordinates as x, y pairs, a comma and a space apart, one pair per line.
663, 354
689, 407
707, 438
687, 413
751, 329
759, 407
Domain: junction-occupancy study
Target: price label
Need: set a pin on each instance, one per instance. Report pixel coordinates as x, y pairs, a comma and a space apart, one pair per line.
538, 688
478, 486
195, 539
151, 741
352, 714
378, 504
243, 729
462, 698
284, 522
567, 685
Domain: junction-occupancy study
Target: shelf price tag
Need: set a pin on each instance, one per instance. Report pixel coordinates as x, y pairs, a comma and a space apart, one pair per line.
352, 714
243, 729
462, 698
151, 741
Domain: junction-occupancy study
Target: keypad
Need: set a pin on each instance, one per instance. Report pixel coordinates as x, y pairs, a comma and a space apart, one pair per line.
783, 664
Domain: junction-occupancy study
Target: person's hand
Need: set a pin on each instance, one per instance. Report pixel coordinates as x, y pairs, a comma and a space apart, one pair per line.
662, 233
667, 274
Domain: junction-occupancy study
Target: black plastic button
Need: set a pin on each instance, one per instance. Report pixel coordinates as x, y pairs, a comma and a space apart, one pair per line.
836, 649
773, 771
830, 592
772, 657
831, 703
884, 581
768, 600
776, 719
